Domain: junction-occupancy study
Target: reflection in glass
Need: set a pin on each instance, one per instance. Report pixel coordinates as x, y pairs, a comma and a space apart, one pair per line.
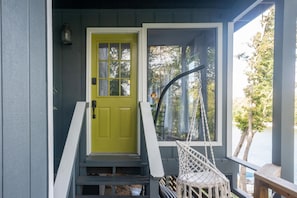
125, 88
114, 87
103, 51
103, 69
103, 88
125, 51
125, 69
114, 70
171, 52
114, 51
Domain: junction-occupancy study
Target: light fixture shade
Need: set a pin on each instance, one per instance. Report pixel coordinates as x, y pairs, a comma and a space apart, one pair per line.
66, 34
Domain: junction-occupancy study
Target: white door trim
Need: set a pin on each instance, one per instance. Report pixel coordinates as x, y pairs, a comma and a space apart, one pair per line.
140, 74
50, 104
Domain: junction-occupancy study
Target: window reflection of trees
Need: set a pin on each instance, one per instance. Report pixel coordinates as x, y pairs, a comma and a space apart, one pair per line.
167, 61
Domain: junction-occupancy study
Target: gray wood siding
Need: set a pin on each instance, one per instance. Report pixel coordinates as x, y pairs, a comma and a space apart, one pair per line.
69, 61
23, 93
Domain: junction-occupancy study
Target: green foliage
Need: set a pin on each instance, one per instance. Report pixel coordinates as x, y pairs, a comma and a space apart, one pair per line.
258, 106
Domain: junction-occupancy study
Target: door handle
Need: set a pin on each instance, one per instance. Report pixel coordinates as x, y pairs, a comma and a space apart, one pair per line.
94, 104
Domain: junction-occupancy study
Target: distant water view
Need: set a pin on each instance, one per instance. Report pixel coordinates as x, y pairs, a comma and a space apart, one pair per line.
261, 148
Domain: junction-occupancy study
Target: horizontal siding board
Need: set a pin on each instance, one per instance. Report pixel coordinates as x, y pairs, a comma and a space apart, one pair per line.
183, 16
127, 18
164, 16
89, 20
144, 16
108, 19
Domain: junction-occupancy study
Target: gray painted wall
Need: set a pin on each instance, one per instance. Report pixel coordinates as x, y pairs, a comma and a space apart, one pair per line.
23, 93
69, 61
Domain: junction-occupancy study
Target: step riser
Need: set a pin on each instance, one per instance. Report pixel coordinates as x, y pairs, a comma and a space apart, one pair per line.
93, 171
107, 190
110, 174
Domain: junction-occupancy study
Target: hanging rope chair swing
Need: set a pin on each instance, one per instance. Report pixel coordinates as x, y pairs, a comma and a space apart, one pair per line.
198, 174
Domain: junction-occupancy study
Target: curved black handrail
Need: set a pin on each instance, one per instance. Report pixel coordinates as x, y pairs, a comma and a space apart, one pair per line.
170, 83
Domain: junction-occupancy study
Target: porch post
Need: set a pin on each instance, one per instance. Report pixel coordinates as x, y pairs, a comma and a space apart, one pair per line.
23, 97
284, 87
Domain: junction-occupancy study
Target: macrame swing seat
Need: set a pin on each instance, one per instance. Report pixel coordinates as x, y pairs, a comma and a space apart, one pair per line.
198, 175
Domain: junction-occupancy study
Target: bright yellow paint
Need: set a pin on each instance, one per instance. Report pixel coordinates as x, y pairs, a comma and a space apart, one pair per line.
114, 129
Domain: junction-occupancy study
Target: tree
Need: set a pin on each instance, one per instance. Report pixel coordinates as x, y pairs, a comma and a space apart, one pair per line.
257, 110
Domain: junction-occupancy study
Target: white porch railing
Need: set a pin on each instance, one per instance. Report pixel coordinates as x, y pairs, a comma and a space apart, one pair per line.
153, 151
64, 175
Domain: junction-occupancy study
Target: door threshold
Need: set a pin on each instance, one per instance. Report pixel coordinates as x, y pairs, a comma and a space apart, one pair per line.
114, 157
114, 154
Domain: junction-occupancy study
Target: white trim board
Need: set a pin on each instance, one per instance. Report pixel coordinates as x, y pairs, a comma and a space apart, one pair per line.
91, 31
219, 82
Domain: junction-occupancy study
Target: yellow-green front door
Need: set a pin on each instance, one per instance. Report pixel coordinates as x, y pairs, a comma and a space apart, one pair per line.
113, 93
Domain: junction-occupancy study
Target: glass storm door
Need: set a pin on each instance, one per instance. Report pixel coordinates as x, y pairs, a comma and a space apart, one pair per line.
113, 93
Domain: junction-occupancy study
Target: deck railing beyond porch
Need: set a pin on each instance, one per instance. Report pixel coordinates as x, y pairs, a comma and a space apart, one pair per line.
268, 177
65, 174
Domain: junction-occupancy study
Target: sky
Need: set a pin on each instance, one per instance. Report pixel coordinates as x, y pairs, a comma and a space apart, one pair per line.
241, 39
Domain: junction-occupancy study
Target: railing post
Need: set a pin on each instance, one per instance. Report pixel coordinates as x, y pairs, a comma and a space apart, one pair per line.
268, 177
154, 187
260, 191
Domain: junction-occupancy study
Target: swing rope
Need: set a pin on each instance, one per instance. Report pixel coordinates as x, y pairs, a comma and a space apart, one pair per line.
204, 122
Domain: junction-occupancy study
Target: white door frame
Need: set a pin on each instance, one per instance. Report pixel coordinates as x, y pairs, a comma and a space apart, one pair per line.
140, 74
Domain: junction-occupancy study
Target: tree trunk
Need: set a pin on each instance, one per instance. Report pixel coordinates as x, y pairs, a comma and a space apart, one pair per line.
249, 140
239, 145
242, 178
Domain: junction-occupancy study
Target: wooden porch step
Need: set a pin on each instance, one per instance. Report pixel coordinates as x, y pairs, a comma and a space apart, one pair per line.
96, 165
112, 161
112, 180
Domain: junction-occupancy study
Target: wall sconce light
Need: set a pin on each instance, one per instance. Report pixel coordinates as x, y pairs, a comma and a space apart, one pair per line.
66, 34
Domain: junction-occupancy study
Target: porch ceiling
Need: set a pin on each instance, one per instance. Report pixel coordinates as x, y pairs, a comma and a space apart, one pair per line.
232, 8
143, 4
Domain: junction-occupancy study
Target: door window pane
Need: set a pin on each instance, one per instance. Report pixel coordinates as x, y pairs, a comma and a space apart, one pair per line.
103, 88
103, 51
114, 87
114, 70
125, 51
114, 67
125, 88
125, 69
103, 69
114, 51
